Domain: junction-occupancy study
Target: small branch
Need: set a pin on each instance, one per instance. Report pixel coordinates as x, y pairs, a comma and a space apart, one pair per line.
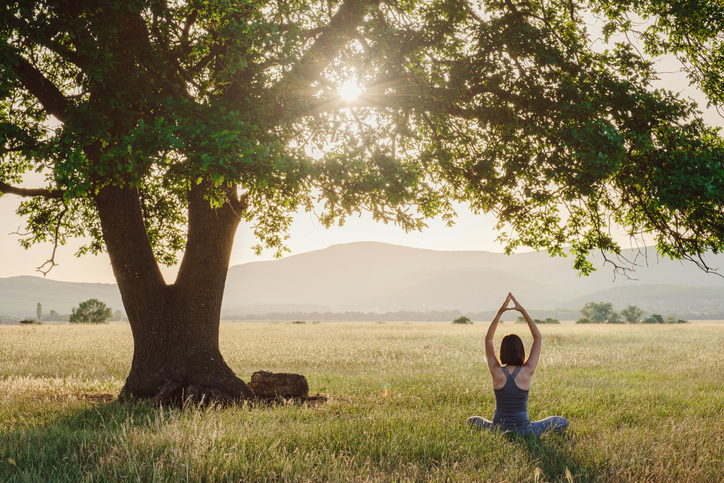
51, 261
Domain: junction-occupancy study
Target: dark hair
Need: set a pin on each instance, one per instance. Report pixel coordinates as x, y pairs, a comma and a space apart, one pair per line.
512, 351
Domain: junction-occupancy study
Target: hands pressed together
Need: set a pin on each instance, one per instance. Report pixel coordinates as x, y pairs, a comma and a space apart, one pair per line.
516, 305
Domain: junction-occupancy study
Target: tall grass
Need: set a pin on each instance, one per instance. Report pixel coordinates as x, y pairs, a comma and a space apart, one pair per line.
645, 404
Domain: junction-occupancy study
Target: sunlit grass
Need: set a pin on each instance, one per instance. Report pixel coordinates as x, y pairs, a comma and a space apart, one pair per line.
646, 403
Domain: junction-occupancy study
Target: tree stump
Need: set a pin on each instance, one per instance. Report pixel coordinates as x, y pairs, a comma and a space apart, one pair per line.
267, 384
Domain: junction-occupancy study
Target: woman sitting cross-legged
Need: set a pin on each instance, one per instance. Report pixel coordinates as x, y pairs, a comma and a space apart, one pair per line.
512, 381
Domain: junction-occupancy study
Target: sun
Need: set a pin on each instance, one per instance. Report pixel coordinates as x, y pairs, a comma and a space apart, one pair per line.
349, 91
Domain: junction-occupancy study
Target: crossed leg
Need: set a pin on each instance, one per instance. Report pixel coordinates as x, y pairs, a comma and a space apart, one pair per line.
551, 423
479, 423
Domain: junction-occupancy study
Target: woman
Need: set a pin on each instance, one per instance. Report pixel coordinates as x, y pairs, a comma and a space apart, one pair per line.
512, 381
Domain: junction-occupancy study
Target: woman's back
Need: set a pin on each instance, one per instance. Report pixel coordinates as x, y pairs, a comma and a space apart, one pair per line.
511, 402
523, 380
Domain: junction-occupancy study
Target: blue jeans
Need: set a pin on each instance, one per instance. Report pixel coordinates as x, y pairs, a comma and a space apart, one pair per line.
551, 423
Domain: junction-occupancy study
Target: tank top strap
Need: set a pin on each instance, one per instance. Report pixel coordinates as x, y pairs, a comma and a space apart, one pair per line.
507, 373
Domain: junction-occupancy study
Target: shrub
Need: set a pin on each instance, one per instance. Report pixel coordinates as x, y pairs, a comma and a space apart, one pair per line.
585, 320
670, 320
548, 320
682, 321
29, 321
520, 320
462, 320
299, 322
654, 319
92, 311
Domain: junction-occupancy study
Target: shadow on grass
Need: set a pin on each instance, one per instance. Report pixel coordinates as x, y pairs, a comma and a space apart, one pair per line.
64, 443
69, 437
556, 457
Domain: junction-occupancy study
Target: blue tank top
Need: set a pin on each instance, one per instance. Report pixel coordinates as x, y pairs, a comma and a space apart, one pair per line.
511, 402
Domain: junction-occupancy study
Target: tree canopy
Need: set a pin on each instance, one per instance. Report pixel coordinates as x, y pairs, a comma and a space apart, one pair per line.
498, 104
92, 311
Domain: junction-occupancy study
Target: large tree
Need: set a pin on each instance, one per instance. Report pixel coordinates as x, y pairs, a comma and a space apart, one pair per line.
159, 125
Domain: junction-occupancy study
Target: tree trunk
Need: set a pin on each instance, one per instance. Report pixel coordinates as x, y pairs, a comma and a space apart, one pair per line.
175, 328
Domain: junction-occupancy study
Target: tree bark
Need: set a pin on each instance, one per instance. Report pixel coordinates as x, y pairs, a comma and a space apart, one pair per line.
176, 355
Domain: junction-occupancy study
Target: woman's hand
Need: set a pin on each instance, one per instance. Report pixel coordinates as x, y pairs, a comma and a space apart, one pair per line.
517, 305
505, 307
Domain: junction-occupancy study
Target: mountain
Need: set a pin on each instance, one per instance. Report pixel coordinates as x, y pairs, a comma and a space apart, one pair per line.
369, 276
378, 277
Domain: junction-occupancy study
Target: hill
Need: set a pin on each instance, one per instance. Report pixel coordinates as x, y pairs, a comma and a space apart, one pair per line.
368, 276
377, 277
20, 295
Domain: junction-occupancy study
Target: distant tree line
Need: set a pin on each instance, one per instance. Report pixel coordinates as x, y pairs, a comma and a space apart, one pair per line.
603, 313
91, 311
352, 316
593, 313
547, 320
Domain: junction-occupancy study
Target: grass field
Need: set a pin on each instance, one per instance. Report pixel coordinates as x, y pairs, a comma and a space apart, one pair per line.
645, 403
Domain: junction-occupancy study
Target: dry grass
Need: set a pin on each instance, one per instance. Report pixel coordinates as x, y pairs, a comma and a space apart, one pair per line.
646, 403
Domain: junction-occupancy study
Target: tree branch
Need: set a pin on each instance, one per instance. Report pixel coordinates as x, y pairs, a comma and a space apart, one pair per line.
341, 28
371, 99
52, 99
28, 192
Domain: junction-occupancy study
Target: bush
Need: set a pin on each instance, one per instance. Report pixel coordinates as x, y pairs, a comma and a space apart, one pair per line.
92, 311
462, 320
29, 321
299, 322
682, 321
548, 320
585, 320
670, 320
520, 320
654, 319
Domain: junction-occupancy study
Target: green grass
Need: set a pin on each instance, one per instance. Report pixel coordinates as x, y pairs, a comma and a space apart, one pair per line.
645, 403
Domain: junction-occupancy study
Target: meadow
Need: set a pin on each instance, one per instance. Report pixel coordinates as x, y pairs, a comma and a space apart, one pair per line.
645, 404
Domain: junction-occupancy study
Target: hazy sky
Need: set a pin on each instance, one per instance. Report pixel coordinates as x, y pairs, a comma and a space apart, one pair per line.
470, 233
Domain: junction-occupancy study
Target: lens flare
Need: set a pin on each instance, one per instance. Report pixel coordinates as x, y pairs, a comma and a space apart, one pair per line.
349, 91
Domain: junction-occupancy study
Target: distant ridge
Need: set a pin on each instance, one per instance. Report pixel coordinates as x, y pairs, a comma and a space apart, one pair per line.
371, 276
378, 277
20, 295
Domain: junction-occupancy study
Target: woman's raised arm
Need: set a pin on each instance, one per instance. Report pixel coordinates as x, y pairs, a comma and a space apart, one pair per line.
534, 356
489, 347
